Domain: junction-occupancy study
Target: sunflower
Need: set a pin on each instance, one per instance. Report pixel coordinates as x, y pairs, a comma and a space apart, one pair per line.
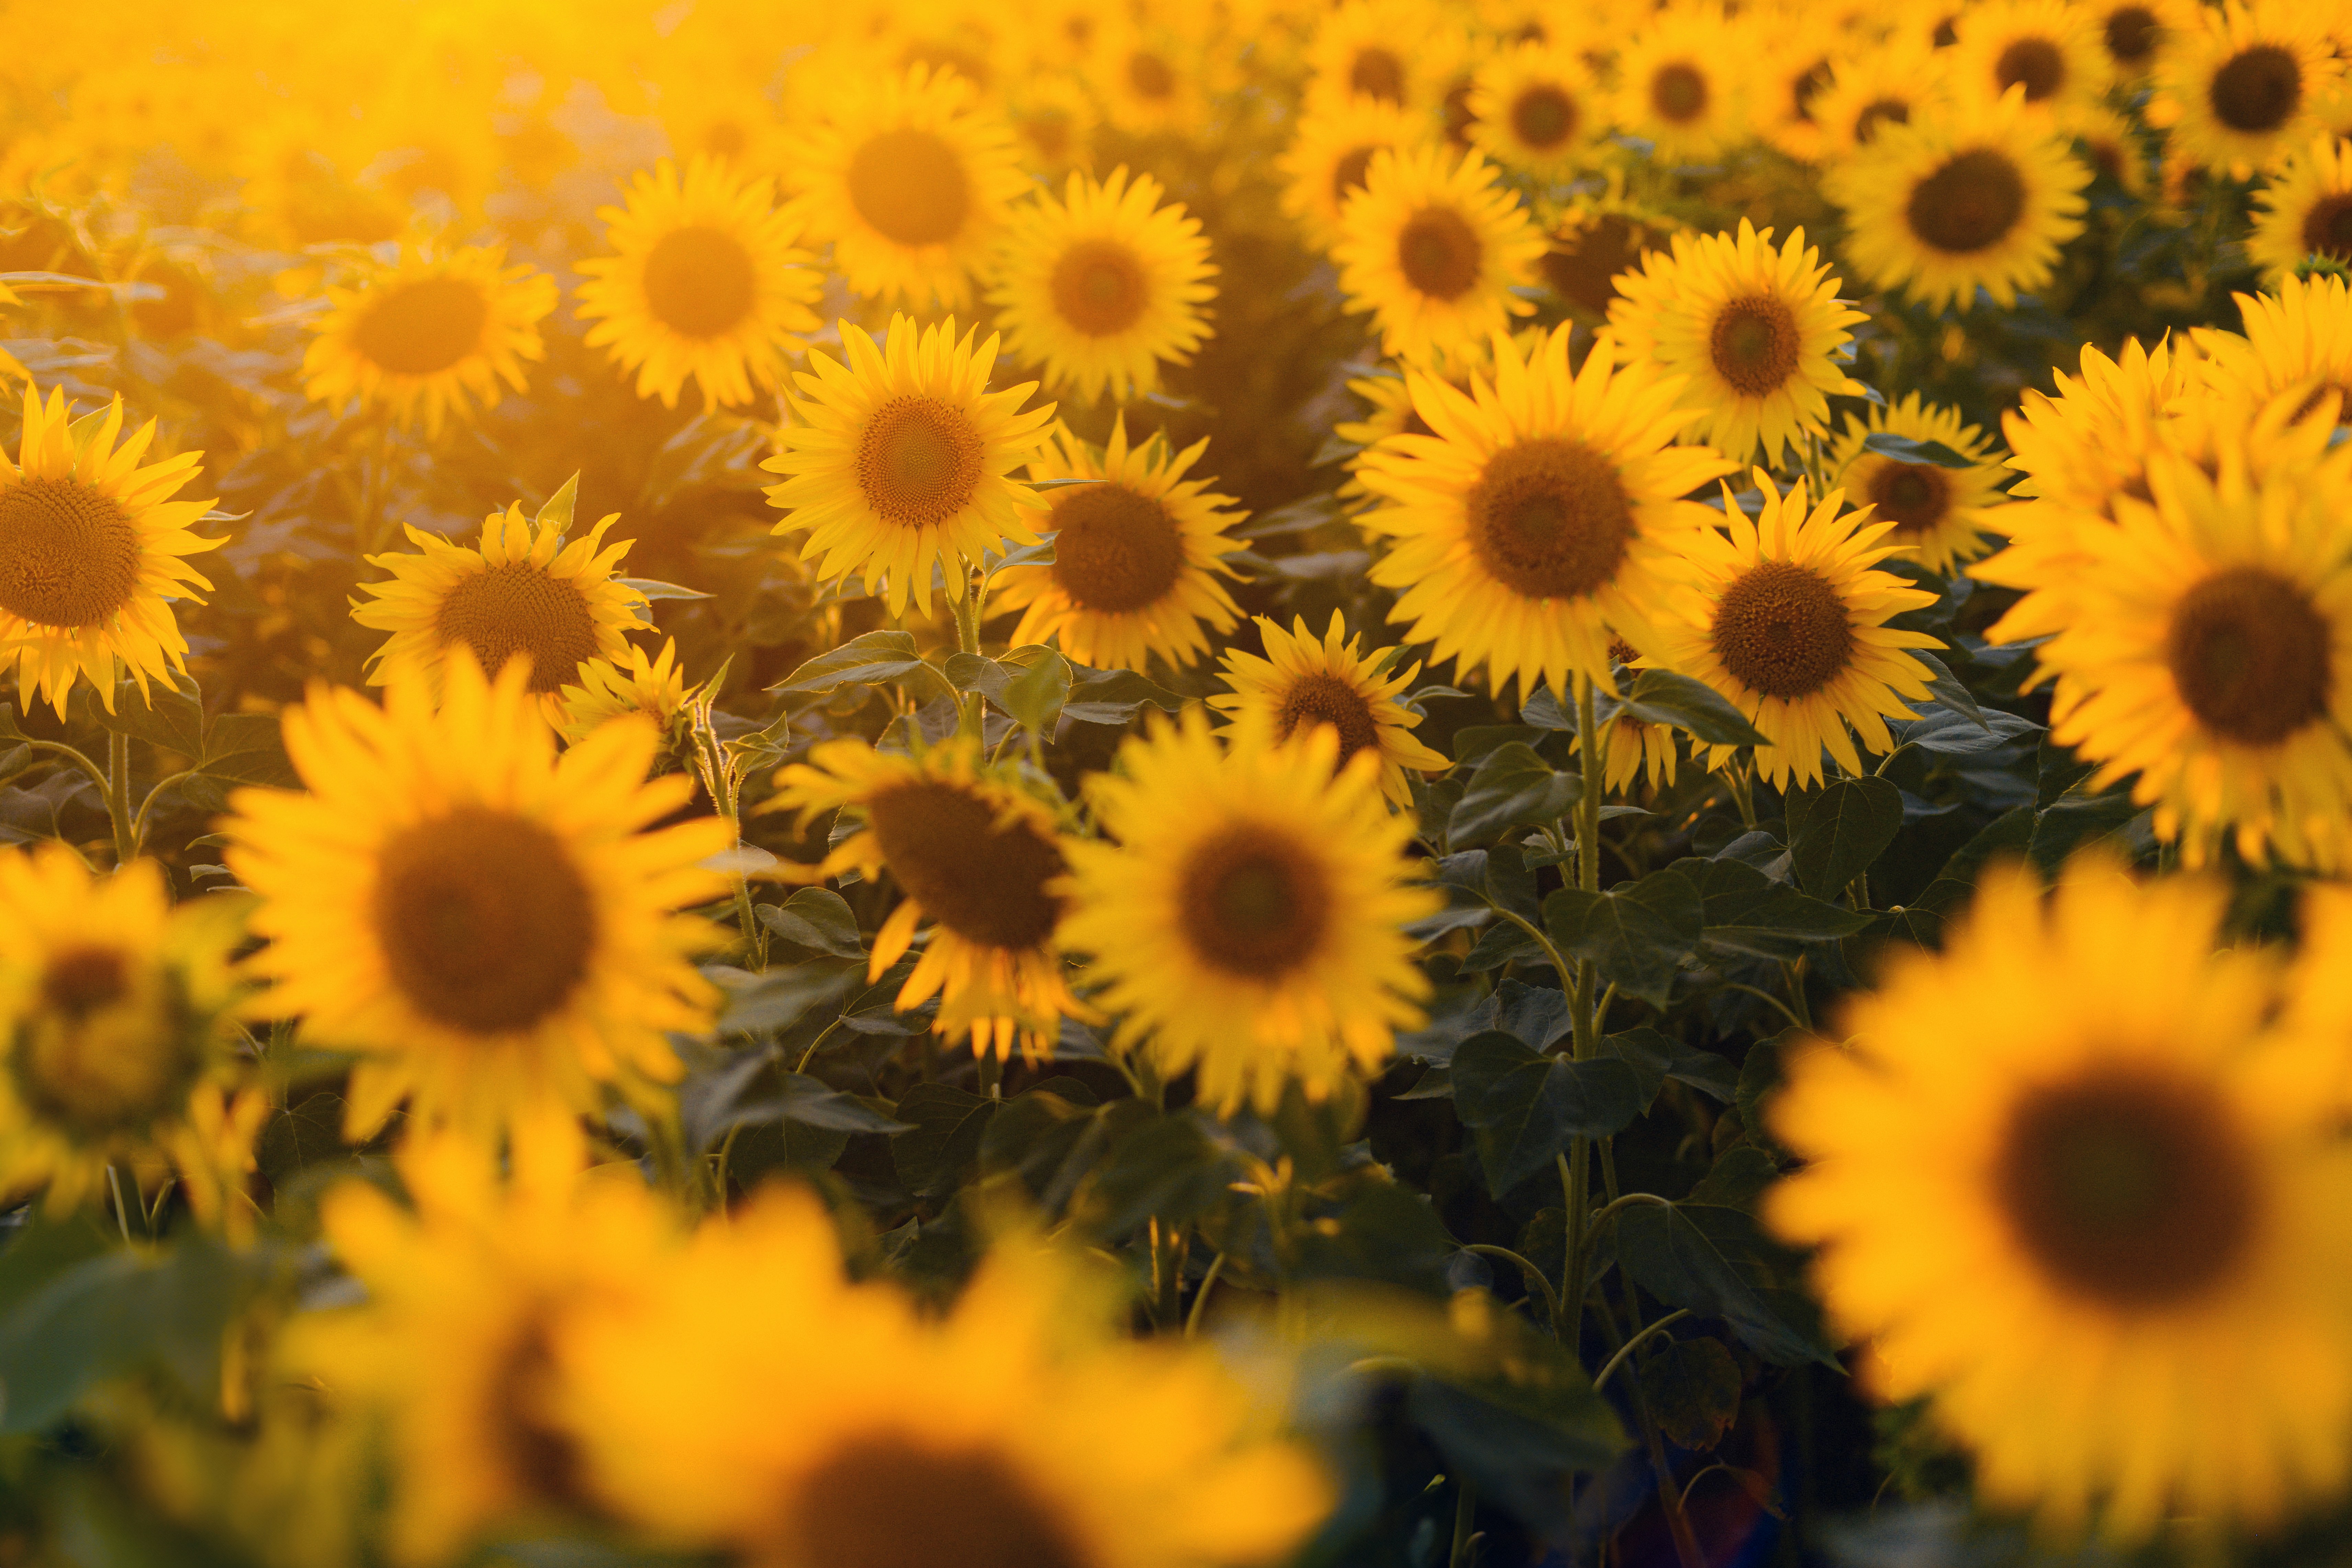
91, 553
2298, 338
1101, 287
898, 460
1891, 83
2304, 212
1756, 334
2115, 147
1249, 918
707, 283
974, 852
1302, 682
1137, 557
2133, 34
2071, 1187
613, 688
1536, 110
1543, 511
2089, 443
1385, 51
1596, 241
1977, 197
521, 590
2237, 88
1434, 248
1152, 81
1333, 151
910, 181
114, 1011
1680, 85
490, 924
429, 334
1941, 515
2047, 50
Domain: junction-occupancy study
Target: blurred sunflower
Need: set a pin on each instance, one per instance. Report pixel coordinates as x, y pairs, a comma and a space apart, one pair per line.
429, 334
91, 553
1596, 241
707, 283
1890, 83
978, 855
1682, 82
1247, 918
1544, 510
1433, 249
2070, 1186
1331, 153
1302, 682
1137, 557
1101, 287
1941, 515
1536, 110
611, 688
492, 926
2133, 34
2114, 146
2297, 338
911, 180
1755, 332
1383, 50
2047, 50
2304, 210
1975, 198
2237, 88
899, 461
2090, 443
1151, 80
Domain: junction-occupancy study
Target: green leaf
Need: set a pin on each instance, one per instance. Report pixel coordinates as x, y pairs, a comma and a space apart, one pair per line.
654, 588
1473, 741
1114, 697
1636, 933
1035, 695
1167, 1166
817, 919
1747, 912
1657, 1057
248, 749
1692, 1388
1513, 787
816, 1104
166, 717
877, 658
1039, 1135
757, 1004
1947, 733
557, 512
2007, 835
945, 1127
2077, 820
1662, 697
1718, 1262
1738, 1178
1906, 449
1510, 884
1523, 1106
1846, 827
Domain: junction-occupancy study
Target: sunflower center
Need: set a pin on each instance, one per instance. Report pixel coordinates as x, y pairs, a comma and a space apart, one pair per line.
1440, 253
919, 461
2316, 398
515, 607
1912, 496
1150, 76
1879, 112
1678, 93
1550, 518
699, 282
1780, 629
1118, 549
2034, 62
983, 880
486, 923
2131, 33
1377, 73
83, 1061
910, 185
1543, 117
2251, 653
1583, 267
882, 1502
725, 139
2328, 227
543, 1459
1754, 345
1969, 204
1098, 286
424, 328
2128, 1188
69, 556
1253, 903
1809, 86
1348, 173
1320, 697
2257, 89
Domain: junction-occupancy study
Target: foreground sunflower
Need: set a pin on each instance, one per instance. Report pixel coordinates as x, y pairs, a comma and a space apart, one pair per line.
898, 460
1536, 110
1137, 557
2089, 443
1755, 333
2298, 338
1543, 512
91, 553
1681, 84
1332, 152
1941, 515
2071, 1187
974, 852
1247, 918
707, 283
616, 688
430, 334
1101, 287
2237, 87
2305, 211
491, 926
1433, 247
1302, 682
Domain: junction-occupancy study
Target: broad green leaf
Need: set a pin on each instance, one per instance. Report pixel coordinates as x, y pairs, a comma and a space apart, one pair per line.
166, 716
248, 749
942, 1140
1737, 1179
1847, 825
1947, 733
557, 512
2077, 820
1948, 687
819, 1104
1039, 1135
1035, 696
759, 1002
1523, 1106
877, 658
1637, 933
1512, 787
1747, 912
815, 917
1657, 1057
1473, 741
1114, 697
1692, 1388
1167, 1166
1662, 697
654, 588
2007, 835
1718, 1262
1908, 449
1509, 884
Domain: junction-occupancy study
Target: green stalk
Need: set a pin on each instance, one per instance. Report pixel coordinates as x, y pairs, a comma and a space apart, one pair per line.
1574, 1174
118, 796
974, 707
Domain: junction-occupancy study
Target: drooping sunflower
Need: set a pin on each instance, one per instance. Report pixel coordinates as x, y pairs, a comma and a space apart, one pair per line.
1544, 510
898, 460
1332, 152
1247, 918
1785, 617
707, 283
491, 925
1941, 515
1976, 197
2237, 88
91, 553
2304, 210
430, 334
2297, 338
614, 689
1137, 557
1101, 287
977, 853
1681, 84
1433, 249
2070, 1186
522, 589
911, 180
2046, 49
1536, 110
1891, 83
1596, 241
1302, 682
1755, 331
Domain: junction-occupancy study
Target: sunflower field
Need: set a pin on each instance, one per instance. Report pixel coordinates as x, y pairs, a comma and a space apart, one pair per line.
1176, 783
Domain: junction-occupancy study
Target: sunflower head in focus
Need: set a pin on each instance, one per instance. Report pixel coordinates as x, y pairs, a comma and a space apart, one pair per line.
2305, 211
898, 460
1247, 916
1305, 681
2237, 88
2066, 1166
609, 689
92, 551
1682, 82
706, 283
1433, 249
429, 334
1537, 110
1332, 152
493, 927
1137, 556
2298, 338
2046, 50
1941, 515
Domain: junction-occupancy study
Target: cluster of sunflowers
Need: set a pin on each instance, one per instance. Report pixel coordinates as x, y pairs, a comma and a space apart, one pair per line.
1398, 782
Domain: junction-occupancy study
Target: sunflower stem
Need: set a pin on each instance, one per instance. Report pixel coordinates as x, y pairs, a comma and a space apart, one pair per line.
1466, 1514
973, 704
118, 797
